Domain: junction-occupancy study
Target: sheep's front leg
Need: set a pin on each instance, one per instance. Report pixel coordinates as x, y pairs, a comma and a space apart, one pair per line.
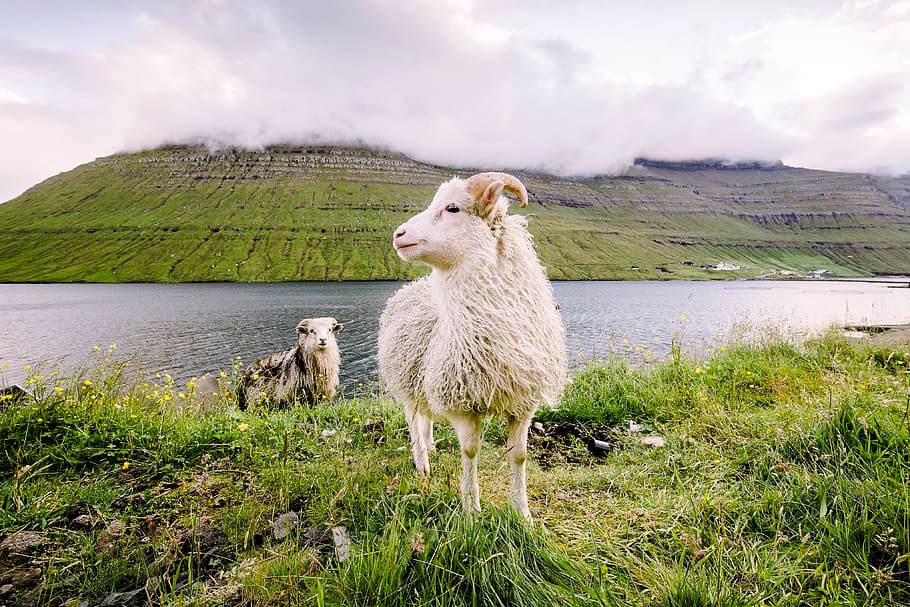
427, 431
518, 457
416, 430
467, 427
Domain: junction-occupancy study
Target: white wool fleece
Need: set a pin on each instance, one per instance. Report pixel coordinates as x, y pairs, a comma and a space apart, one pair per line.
481, 334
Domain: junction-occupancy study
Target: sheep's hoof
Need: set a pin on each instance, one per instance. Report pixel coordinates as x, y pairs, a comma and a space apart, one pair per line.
524, 512
422, 463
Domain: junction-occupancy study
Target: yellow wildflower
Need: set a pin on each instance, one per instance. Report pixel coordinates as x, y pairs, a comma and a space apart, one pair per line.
27, 367
97, 348
86, 382
126, 465
682, 317
58, 389
243, 427
181, 395
223, 374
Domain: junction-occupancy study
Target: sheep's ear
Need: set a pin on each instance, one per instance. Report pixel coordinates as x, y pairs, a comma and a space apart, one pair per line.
338, 328
486, 203
303, 325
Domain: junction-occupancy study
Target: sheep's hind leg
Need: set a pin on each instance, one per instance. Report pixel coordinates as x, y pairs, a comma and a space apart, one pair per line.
518, 457
467, 427
418, 445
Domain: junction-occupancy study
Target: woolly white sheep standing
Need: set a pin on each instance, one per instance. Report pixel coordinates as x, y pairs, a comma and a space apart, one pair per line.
309, 370
480, 335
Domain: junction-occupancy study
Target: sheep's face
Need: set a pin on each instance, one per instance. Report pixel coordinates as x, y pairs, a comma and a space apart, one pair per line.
317, 334
455, 223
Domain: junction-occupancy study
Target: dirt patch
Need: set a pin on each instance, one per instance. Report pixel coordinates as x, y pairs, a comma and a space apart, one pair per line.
570, 443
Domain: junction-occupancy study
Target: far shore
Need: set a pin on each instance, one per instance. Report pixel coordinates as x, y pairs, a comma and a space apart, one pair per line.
903, 281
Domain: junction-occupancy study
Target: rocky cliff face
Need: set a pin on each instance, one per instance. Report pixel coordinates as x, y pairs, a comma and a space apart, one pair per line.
710, 164
321, 212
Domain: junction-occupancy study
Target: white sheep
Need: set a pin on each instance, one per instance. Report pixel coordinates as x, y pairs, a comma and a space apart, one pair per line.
480, 335
307, 371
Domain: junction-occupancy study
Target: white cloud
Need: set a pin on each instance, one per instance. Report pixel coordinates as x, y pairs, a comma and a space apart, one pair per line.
477, 84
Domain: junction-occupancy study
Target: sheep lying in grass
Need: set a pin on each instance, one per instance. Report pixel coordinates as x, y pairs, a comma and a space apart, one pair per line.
480, 335
308, 371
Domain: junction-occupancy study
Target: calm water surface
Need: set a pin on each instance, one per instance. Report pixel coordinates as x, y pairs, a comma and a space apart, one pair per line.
189, 329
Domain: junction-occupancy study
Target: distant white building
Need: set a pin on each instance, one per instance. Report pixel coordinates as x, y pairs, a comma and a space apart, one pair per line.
721, 266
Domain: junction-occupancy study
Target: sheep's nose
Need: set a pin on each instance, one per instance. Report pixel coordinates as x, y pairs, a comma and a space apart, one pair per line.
322, 342
399, 233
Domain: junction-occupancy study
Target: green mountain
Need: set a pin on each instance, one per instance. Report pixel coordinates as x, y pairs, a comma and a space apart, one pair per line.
183, 213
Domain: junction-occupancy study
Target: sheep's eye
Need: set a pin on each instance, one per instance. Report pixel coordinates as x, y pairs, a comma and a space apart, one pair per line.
452, 208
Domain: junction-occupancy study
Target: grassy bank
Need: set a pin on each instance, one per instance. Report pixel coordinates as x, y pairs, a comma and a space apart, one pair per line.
784, 480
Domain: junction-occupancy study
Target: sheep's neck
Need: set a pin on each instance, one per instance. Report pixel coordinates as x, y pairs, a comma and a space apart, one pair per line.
319, 362
488, 279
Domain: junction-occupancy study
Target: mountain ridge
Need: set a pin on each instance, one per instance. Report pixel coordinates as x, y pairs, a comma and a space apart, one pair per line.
318, 212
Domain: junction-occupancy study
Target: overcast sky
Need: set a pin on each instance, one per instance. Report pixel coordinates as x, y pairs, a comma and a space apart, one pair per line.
568, 86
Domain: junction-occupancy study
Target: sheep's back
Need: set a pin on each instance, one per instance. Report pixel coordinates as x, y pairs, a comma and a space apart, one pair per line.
404, 334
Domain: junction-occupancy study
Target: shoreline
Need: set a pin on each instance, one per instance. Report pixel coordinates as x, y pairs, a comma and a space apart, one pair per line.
896, 279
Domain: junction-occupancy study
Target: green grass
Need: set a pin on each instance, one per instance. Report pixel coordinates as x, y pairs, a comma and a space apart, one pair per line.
175, 215
785, 480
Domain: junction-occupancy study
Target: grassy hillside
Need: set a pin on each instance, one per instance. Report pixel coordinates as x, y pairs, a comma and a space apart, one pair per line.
185, 214
784, 480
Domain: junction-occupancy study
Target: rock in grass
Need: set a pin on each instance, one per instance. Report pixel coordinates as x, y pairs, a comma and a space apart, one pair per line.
202, 539
342, 543
128, 500
284, 524
653, 441
125, 599
83, 522
111, 535
21, 543
22, 576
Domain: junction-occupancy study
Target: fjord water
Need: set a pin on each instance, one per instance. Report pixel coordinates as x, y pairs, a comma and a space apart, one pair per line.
190, 329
